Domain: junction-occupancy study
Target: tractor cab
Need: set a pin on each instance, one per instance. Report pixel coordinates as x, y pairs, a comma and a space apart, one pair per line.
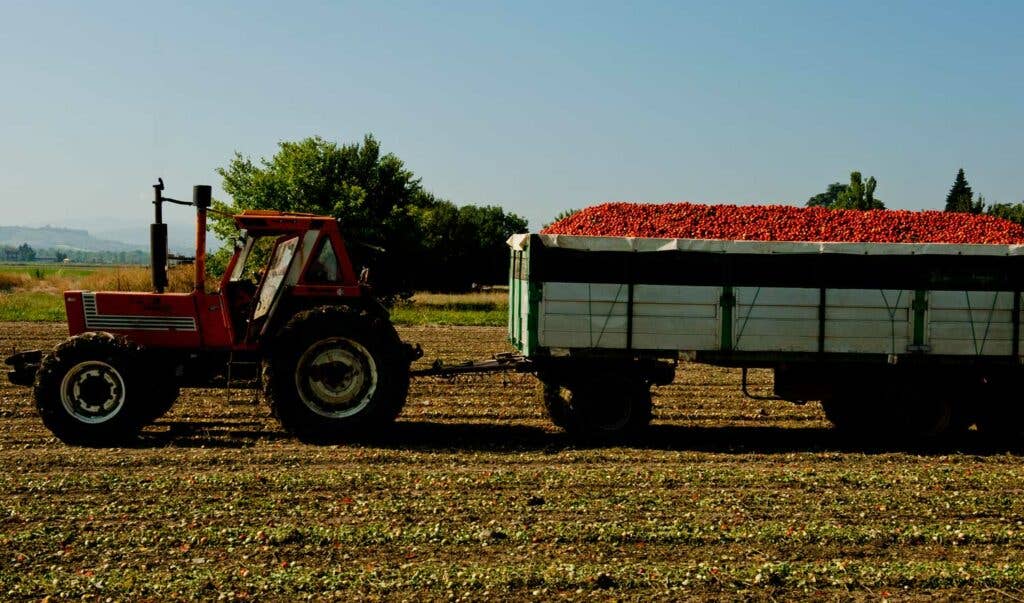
283, 260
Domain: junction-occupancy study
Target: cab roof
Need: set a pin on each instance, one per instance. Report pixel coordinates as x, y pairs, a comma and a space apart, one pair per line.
265, 220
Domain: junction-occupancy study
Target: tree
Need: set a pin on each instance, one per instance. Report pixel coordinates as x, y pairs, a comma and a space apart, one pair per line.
469, 242
858, 194
1013, 212
961, 197
827, 198
379, 204
25, 253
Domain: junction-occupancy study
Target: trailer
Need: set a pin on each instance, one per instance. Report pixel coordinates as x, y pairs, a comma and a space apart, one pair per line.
891, 338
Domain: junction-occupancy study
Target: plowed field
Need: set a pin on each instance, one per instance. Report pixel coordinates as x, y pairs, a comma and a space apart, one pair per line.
475, 496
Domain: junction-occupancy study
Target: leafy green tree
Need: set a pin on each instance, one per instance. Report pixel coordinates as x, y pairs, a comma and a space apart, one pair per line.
370, 192
961, 197
858, 194
1013, 212
469, 242
828, 198
379, 204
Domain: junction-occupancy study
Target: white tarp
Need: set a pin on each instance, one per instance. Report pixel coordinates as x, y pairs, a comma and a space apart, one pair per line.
521, 241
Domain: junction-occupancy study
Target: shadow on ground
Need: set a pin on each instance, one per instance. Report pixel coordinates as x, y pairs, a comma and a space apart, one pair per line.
516, 437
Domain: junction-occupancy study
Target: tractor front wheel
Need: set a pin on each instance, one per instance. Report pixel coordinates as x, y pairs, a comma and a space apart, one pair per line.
88, 392
333, 374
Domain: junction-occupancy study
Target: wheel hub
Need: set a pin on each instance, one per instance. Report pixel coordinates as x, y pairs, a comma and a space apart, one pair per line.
93, 391
336, 377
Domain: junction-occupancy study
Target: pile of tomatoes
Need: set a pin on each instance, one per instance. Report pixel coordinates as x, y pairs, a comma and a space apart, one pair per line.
786, 223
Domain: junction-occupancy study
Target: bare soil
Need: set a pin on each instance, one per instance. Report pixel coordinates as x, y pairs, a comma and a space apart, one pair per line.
474, 495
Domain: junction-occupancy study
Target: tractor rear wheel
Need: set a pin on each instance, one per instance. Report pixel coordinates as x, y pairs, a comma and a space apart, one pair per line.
598, 410
333, 373
88, 390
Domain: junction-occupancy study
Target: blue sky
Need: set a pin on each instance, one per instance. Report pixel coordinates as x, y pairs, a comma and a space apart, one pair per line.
535, 106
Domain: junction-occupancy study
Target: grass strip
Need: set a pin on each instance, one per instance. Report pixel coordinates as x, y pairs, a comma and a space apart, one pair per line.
34, 306
38, 306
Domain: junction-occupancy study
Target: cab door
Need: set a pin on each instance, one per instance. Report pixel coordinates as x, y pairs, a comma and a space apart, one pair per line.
282, 272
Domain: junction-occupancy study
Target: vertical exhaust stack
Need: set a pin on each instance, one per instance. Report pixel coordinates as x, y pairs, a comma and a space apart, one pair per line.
158, 241
201, 197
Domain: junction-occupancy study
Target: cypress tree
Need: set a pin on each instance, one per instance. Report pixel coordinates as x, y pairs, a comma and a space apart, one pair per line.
961, 197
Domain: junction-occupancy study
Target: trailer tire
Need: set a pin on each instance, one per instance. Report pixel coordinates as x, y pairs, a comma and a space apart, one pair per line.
89, 390
848, 415
928, 416
333, 374
894, 410
1001, 420
599, 410
554, 399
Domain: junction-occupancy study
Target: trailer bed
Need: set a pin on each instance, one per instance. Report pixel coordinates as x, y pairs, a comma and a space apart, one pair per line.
737, 302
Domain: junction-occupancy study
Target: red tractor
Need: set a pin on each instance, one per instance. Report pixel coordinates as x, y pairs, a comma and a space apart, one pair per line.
290, 302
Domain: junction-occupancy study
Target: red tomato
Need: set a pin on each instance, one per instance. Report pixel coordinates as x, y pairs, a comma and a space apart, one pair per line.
786, 223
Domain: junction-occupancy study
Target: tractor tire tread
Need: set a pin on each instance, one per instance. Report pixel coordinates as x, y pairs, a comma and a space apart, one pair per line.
304, 329
115, 349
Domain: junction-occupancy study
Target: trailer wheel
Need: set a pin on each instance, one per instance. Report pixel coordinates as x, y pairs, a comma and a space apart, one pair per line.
88, 390
332, 373
1000, 426
599, 410
894, 411
1000, 419
554, 397
848, 413
926, 415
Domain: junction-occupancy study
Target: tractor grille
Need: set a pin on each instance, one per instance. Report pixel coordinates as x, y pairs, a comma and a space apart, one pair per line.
114, 322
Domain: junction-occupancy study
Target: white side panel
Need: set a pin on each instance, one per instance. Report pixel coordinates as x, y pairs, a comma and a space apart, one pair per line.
868, 321
675, 317
779, 319
970, 322
583, 315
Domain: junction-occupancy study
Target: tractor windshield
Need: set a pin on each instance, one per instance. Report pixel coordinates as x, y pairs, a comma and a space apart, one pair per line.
253, 252
276, 270
244, 246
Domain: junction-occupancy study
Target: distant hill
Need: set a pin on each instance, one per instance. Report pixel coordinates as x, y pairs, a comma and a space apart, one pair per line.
51, 237
180, 237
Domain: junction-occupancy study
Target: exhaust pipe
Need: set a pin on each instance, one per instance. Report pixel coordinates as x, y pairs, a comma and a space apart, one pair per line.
201, 197
158, 241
